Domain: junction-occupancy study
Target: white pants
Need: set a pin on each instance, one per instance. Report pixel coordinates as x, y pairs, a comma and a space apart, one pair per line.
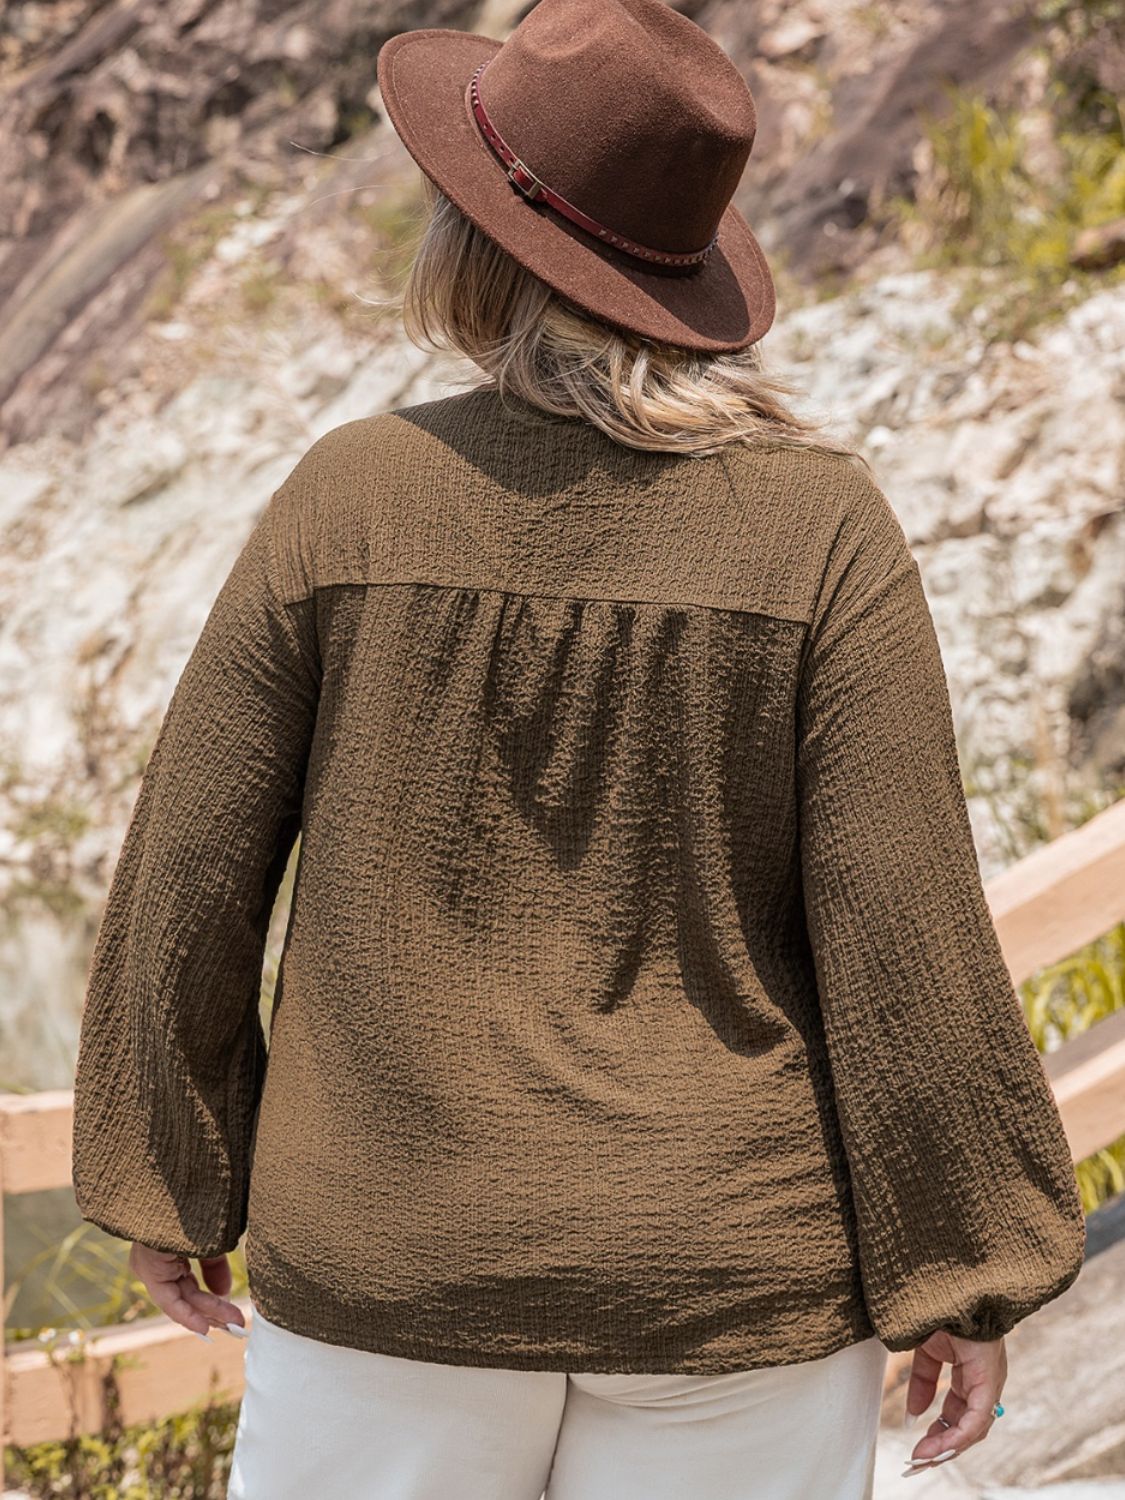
322, 1420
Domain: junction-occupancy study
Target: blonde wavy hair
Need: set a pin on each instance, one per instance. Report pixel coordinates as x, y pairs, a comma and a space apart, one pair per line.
463, 292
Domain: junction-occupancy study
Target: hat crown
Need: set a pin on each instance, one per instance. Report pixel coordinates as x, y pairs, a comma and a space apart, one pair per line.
630, 111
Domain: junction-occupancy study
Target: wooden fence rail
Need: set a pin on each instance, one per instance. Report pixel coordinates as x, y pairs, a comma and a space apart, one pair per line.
1045, 907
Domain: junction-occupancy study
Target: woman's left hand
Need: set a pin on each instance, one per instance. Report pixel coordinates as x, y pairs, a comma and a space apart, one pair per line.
980, 1369
170, 1283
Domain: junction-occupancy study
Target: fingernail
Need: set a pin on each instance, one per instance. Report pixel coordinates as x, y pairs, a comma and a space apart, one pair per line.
237, 1329
908, 1419
206, 1337
949, 1453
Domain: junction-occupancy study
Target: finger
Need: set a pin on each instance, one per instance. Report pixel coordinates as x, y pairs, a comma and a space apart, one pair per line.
952, 1408
971, 1419
933, 1440
218, 1309
169, 1282
217, 1274
925, 1371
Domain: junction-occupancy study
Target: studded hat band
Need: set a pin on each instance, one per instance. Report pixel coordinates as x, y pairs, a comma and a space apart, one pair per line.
537, 191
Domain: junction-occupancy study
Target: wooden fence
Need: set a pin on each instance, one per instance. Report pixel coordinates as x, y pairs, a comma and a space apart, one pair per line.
1045, 908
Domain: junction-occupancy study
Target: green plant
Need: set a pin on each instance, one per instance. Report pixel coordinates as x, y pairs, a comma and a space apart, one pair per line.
995, 208
991, 203
84, 1279
1066, 998
183, 1457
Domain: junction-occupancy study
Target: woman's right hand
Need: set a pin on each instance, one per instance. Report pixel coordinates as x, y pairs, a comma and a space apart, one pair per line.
169, 1281
979, 1372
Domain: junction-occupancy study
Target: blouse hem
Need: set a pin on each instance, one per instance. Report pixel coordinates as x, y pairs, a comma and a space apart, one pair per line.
827, 1328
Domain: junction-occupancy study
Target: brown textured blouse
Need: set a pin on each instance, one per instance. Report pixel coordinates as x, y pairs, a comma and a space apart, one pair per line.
640, 1007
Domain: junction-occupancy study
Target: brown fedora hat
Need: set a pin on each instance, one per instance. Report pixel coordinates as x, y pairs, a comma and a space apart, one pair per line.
599, 144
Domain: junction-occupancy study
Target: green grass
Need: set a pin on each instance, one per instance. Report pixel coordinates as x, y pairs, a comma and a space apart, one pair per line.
1010, 209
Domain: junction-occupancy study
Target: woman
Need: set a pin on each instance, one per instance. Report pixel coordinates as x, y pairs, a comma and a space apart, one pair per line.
643, 1064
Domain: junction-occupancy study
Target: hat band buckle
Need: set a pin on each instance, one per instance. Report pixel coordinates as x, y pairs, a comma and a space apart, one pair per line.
535, 189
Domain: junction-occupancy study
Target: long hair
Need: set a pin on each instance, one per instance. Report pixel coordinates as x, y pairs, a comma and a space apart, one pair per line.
464, 293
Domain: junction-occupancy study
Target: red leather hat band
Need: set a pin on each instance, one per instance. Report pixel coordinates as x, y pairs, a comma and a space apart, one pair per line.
534, 189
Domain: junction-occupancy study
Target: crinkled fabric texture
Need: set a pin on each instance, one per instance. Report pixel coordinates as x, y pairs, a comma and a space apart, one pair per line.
640, 1007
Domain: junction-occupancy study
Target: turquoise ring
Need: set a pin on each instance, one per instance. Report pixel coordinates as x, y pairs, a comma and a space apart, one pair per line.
997, 1410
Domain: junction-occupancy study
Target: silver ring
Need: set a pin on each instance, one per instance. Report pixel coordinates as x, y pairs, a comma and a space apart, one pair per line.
944, 1423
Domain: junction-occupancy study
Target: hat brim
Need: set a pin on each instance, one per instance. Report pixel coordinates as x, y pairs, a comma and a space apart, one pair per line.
723, 305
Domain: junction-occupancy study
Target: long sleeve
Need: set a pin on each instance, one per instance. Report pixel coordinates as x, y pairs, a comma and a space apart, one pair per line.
171, 1049
967, 1206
